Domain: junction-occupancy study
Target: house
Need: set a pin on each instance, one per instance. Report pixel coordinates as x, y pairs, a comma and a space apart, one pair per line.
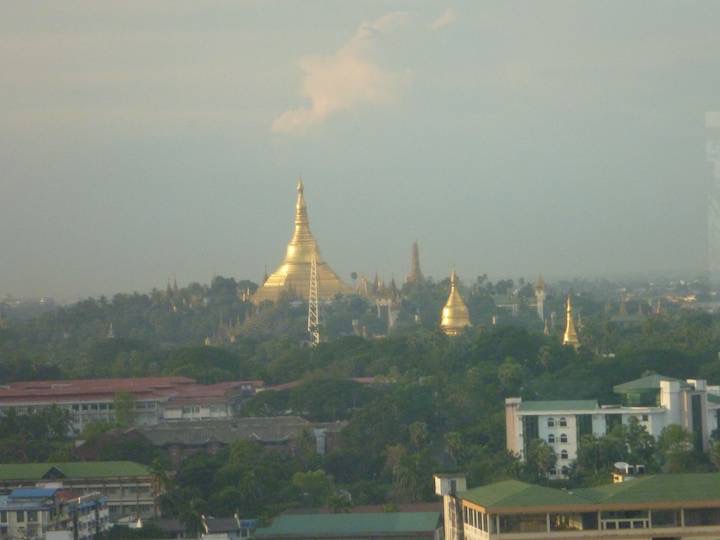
52, 512
672, 506
130, 489
655, 401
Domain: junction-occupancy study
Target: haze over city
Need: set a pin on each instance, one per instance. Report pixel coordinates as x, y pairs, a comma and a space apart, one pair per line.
143, 140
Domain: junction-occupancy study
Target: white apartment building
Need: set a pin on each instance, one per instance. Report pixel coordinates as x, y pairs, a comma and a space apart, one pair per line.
654, 400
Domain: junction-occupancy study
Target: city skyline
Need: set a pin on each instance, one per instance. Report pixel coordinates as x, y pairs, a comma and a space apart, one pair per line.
507, 140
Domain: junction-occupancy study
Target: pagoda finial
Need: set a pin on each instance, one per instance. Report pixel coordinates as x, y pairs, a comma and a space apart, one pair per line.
300, 187
570, 336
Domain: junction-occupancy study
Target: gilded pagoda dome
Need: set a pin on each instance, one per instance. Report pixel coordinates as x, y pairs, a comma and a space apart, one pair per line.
293, 274
455, 314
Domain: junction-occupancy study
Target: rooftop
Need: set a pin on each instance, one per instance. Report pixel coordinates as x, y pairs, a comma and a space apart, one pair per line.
351, 525
650, 381
176, 388
79, 469
560, 405
670, 489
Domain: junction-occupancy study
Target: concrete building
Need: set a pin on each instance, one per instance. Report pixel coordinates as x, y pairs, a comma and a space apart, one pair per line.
155, 399
654, 400
52, 513
673, 506
130, 489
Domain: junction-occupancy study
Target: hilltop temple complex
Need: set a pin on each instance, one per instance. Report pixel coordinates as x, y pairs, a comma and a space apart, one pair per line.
293, 274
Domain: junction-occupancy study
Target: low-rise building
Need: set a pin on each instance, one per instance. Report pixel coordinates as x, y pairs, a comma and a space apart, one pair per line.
154, 399
130, 489
43, 513
673, 506
183, 439
655, 401
355, 526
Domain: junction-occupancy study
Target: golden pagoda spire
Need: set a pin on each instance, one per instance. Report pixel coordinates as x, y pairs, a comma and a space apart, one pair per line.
570, 336
293, 274
455, 315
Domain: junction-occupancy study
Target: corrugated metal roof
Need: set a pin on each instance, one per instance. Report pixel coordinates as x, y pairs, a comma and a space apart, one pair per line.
344, 525
32, 493
79, 469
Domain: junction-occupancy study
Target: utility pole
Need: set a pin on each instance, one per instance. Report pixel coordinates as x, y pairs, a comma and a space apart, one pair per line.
313, 305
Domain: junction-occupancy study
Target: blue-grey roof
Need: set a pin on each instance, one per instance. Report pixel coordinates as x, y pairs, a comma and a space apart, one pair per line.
32, 493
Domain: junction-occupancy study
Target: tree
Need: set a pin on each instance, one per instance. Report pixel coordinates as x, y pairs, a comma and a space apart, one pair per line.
315, 487
124, 405
539, 459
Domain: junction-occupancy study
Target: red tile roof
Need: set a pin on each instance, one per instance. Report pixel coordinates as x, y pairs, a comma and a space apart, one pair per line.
163, 388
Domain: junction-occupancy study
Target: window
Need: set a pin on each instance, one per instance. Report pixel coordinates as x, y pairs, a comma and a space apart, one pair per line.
3, 517
563, 454
20, 517
551, 422
32, 515
644, 418
665, 518
551, 438
563, 422
563, 438
552, 471
565, 471
702, 516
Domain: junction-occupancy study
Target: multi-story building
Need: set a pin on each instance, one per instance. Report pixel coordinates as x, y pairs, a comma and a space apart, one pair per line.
672, 506
654, 400
153, 399
130, 489
40, 513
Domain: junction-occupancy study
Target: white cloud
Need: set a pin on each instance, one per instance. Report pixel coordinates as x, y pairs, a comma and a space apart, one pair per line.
347, 78
446, 19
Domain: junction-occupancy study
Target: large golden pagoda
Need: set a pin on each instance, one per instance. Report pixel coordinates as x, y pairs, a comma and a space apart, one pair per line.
293, 275
455, 314
570, 336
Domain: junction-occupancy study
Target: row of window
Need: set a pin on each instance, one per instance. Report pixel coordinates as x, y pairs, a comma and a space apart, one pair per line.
563, 438
564, 470
20, 516
562, 422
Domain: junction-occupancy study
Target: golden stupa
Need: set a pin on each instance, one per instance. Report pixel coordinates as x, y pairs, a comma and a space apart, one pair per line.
455, 315
293, 275
570, 336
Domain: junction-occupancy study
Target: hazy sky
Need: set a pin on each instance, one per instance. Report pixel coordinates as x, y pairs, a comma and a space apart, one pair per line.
145, 138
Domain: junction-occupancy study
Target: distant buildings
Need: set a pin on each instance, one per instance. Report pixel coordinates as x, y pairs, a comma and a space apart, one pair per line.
52, 513
280, 433
152, 400
671, 506
655, 401
129, 489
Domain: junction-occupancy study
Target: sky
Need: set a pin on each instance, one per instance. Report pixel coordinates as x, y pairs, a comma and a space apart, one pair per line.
141, 139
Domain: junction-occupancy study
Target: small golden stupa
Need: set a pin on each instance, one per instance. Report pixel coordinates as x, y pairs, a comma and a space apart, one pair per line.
293, 275
570, 336
455, 315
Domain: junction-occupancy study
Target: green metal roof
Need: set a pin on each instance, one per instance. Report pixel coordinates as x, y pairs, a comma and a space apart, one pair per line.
648, 382
517, 494
661, 488
78, 469
562, 405
319, 525
657, 488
